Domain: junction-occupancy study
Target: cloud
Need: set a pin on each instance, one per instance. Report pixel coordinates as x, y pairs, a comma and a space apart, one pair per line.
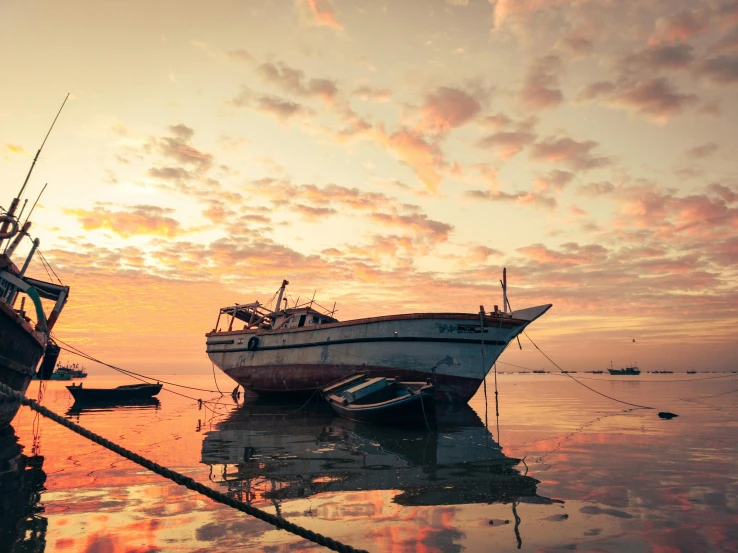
680, 26
412, 148
177, 147
447, 108
281, 108
520, 198
657, 99
572, 254
595, 90
140, 219
416, 222
554, 180
507, 143
319, 13
14, 148
727, 43
659, 57
541, 84
595, 189
578, 44
370, 94
722, 69
505, 9
702, 151
565, 150
293, 80
727, 194
497, 121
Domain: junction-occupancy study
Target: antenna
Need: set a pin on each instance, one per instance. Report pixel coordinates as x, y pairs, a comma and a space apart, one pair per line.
42, 147
34, 203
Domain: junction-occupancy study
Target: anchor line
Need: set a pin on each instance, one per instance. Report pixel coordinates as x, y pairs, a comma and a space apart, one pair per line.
183, 480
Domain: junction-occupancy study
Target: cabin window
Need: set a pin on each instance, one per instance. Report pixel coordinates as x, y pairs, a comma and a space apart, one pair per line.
316, 320
302, 320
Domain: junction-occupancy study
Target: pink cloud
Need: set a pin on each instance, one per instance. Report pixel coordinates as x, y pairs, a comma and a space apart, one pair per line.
656, 99
576, 155
541, 84
447, 108
680, 26
507, 143
572, 254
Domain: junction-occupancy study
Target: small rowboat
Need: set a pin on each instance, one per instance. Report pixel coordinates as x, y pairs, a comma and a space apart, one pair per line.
121, 393
382, 400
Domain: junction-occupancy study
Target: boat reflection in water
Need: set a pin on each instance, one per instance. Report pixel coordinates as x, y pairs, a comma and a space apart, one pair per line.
79, 407
262, 452
21, 482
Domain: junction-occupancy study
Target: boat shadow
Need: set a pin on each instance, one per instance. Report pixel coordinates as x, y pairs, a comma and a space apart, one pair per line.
268, 451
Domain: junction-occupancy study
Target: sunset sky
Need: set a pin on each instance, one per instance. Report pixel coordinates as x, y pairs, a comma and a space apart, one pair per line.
393, 156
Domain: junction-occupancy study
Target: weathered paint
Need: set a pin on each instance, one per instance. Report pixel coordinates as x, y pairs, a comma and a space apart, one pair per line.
445, 348
20, 350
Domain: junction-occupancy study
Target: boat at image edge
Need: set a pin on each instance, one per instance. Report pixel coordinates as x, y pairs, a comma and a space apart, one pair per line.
300, 349
24, 340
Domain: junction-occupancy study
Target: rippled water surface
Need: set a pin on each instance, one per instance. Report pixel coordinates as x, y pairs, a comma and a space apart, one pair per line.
561, 469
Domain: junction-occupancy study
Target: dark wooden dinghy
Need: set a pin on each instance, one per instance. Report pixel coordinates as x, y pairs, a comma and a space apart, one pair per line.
121, 393
382, 400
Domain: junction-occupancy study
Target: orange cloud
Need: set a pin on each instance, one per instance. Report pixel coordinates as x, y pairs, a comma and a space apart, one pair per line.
142, 219
320, 13
410, 146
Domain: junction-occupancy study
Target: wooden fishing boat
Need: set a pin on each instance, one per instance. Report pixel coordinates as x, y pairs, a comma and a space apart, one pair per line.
297, 349
121, 393
25, 335
381, 399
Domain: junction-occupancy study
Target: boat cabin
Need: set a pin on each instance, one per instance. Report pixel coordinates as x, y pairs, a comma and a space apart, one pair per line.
301, 316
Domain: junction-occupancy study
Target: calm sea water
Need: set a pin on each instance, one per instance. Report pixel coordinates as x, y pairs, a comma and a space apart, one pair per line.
560, 469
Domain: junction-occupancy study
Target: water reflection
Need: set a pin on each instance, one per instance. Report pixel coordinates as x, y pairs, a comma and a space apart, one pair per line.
21, 482
78, 408
270, 453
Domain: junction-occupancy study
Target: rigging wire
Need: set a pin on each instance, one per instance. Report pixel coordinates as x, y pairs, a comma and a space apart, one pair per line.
580, 383
50, 267
81, 353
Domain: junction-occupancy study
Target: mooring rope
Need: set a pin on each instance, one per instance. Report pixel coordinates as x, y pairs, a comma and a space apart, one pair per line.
581, 383
183, 480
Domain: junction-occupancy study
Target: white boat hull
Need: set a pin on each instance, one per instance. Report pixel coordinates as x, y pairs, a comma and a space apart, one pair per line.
449, 349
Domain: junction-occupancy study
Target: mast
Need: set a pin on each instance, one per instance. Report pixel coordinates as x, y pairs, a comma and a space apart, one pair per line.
279, 297
14, 204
